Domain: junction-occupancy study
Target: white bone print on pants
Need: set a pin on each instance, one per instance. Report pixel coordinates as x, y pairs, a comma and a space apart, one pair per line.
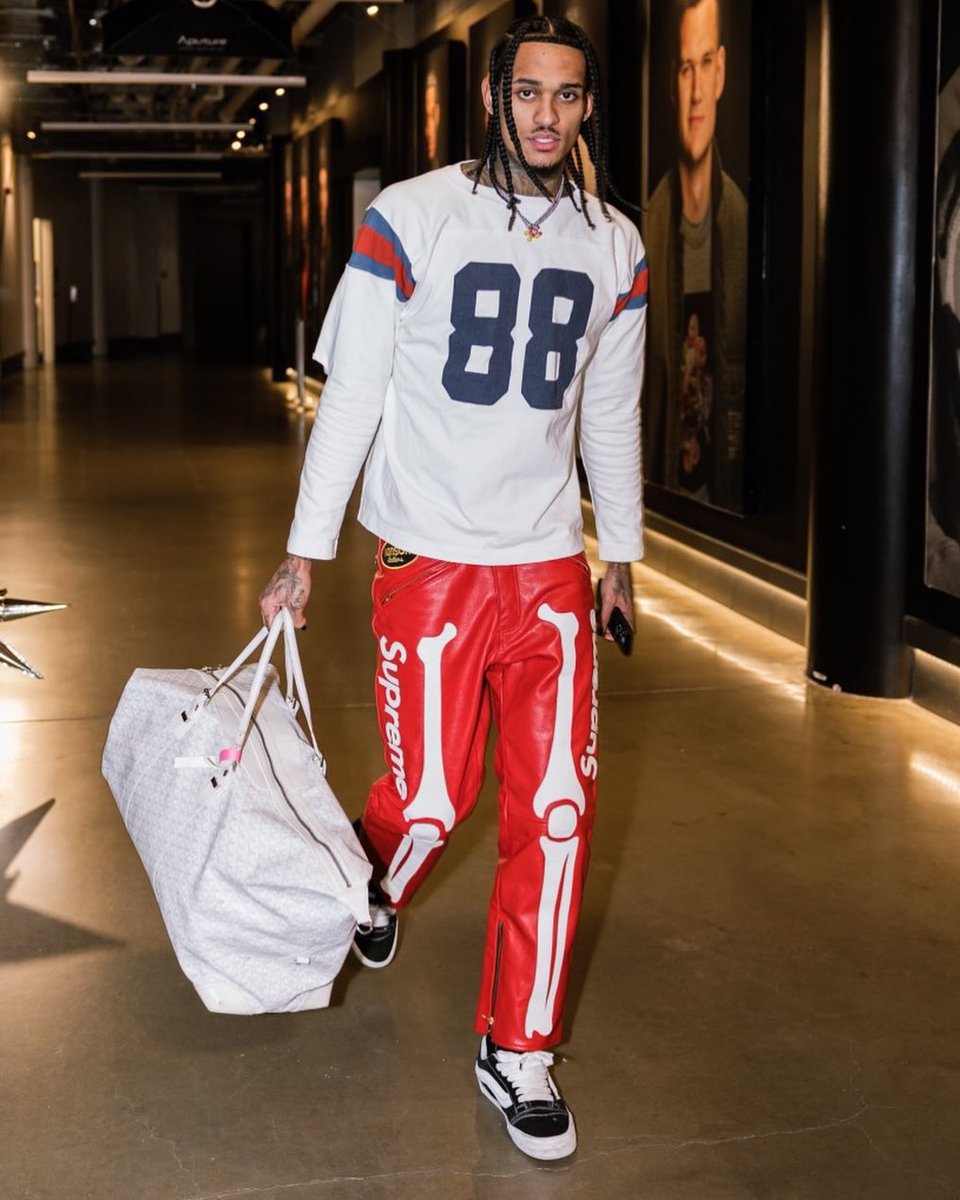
431, 807
560, 798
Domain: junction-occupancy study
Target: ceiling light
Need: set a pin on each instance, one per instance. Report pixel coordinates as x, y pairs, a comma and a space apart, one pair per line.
372, 10
134, 126
263, 106
172, 78
136, 155
235, 145
279, 91
150, 174
31, 135
241, 134
93, 21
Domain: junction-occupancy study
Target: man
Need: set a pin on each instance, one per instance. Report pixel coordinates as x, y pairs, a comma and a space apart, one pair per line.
487, 308
432, 116
943, 455
697, 244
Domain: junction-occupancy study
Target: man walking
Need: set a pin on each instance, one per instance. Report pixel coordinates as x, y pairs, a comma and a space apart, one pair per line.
490, 312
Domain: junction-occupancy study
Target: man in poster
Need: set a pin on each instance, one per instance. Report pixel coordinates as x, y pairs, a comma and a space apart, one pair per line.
943, 450
697, 252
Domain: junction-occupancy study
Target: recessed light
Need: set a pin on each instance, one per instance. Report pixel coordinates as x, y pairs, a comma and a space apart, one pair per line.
235, 145
280, 92
263, 106
372, 10
31, 135
241, 134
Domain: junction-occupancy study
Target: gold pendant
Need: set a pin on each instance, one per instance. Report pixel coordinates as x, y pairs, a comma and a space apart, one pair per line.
531, 232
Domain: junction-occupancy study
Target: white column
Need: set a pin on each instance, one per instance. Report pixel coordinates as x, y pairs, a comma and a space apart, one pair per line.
28, 301
98, 272
48, 312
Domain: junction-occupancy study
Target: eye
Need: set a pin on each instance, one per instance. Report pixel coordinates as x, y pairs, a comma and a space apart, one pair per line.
569, 97
525, 93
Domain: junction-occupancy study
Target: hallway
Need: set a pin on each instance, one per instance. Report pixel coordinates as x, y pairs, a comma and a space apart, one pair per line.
764, 1004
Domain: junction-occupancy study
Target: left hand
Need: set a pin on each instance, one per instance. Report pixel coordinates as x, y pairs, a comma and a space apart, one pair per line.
616, 591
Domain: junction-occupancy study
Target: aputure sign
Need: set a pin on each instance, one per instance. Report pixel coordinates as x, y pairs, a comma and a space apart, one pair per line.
238, 28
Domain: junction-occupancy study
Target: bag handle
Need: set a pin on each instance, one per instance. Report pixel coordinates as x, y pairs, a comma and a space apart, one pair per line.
296, 684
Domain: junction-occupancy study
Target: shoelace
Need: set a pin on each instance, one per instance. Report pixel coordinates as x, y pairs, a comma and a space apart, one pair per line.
528, 1074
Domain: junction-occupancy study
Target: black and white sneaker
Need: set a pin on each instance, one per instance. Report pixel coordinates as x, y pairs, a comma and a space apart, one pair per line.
521, 1087
376, 944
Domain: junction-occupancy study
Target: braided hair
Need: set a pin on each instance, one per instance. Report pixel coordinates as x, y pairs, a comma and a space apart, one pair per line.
559, 32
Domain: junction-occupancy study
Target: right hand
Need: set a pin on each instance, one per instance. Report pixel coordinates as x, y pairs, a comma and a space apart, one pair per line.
288, 588
615, 591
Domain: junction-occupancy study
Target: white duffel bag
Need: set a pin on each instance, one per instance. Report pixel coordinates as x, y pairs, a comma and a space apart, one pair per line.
258, 873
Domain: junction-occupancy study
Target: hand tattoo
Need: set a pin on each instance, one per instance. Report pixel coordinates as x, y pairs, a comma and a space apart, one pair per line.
286, 586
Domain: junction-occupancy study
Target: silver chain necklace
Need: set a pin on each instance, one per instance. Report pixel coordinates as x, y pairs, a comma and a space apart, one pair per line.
533, 229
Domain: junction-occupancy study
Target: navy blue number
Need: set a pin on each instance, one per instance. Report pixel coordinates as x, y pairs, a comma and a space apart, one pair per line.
480, 351
474, 334
551, 354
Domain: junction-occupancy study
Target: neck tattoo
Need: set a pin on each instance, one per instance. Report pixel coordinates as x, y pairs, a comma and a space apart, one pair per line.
533, 228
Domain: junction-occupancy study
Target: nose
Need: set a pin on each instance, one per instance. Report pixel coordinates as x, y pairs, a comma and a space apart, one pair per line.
547, 112
696, 91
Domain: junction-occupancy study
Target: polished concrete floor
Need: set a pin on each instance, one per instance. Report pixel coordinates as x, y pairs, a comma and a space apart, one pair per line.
765, 1002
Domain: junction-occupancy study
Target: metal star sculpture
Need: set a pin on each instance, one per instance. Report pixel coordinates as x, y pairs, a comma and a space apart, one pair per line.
10, 658
12, 610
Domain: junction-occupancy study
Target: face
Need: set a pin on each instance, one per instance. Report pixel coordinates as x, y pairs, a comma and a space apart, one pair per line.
431, 115
700, 78
550, 102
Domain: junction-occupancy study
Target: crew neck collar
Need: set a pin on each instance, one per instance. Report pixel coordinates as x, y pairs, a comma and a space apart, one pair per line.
489, 192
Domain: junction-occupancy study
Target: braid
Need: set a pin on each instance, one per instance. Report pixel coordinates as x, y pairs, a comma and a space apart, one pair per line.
495, 151
579, 178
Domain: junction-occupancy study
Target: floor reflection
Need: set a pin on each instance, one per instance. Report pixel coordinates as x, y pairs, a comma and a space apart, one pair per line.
24, 933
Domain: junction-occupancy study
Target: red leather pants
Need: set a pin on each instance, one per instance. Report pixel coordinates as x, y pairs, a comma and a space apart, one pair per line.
451, 639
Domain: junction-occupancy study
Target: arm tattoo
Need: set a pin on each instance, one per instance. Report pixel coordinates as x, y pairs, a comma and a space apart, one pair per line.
622, 584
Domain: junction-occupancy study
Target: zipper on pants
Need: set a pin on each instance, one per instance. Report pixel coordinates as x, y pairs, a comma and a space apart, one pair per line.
498, 955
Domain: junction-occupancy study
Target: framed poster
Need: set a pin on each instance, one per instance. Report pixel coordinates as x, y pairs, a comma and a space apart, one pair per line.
313, 231
303, 176
287, 273
324, 283
696, 234
440, 91
942, 541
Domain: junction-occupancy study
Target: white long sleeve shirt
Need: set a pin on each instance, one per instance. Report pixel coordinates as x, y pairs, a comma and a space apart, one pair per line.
459, 356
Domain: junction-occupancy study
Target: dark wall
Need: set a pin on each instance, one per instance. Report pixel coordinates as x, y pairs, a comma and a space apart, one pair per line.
223, 265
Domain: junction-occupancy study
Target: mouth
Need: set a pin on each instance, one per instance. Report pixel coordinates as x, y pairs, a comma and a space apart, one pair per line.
544, 143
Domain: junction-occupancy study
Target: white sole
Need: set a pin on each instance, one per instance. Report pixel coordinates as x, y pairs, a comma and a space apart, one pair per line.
544, 1149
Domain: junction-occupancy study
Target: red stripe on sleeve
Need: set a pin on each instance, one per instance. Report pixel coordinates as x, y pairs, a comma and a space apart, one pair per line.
378, 248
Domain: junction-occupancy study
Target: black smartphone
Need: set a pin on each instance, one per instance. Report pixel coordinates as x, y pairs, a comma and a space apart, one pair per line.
618, 625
